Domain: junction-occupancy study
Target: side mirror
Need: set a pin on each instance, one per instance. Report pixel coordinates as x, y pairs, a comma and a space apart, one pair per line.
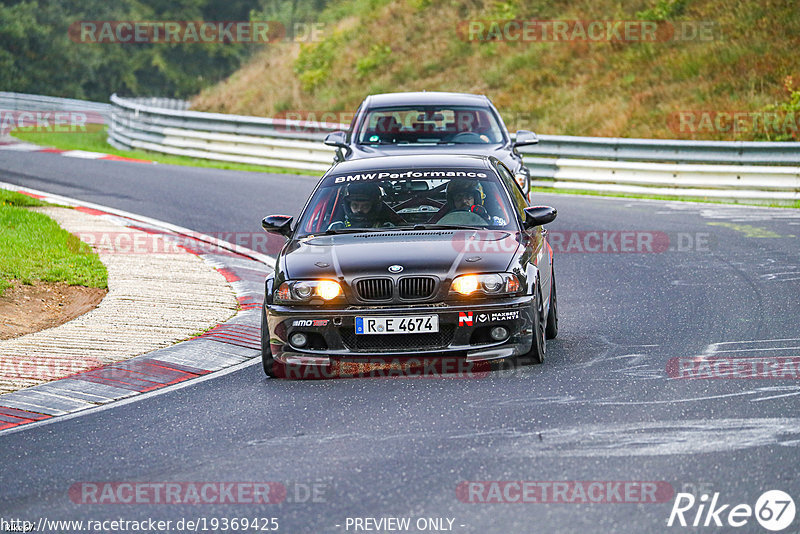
278, 224
539, 215
525, 137
339, 140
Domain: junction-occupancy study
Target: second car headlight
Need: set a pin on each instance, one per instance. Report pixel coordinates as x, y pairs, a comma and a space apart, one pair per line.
485, 284
308, 291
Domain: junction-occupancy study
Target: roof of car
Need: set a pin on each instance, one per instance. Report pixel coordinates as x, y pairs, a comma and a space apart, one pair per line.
426, 98
432, 161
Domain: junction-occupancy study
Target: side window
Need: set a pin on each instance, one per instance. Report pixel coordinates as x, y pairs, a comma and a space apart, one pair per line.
513, 188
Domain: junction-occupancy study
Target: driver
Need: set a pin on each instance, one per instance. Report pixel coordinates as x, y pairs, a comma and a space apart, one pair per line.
466, 195
363, 207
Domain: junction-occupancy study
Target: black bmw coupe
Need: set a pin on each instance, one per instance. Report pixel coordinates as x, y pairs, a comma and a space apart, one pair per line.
429, 256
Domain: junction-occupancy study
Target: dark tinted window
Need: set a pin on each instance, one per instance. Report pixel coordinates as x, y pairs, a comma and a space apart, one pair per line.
429, 125
513, 188
403, 198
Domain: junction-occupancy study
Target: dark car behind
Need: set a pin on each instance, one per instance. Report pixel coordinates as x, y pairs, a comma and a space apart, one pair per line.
433, 123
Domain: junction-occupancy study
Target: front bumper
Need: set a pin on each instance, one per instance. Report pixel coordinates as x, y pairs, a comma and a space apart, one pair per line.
463, 332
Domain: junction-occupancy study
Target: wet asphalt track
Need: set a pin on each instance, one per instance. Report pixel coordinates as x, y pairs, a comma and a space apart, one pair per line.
602, 407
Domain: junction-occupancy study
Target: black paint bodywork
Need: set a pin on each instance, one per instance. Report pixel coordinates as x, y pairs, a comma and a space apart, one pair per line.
443, 254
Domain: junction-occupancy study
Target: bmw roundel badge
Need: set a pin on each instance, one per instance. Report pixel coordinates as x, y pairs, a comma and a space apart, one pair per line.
395, 269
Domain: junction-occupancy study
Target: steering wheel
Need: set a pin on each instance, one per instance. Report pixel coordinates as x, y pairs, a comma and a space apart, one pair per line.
463, 217
468, 137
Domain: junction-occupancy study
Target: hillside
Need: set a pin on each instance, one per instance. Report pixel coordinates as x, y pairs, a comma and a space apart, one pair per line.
626, 88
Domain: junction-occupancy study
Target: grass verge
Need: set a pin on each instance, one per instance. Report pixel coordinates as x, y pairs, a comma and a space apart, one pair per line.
34, 247
95, 141
790, 204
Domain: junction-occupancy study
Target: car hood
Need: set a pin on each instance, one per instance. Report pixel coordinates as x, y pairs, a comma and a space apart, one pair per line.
501, 152
440, 253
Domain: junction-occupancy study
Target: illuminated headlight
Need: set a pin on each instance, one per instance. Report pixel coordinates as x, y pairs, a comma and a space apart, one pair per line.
310, 291
486, 284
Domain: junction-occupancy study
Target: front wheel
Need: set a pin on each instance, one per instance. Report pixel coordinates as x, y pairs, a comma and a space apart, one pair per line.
539, 341
552, 316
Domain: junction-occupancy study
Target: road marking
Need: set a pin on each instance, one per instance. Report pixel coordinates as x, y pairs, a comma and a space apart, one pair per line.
749, 231
136, 398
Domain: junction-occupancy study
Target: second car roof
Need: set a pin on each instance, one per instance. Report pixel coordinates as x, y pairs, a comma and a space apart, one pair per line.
432, 98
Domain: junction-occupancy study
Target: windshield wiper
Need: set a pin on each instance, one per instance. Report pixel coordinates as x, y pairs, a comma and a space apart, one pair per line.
440, 227
334, 231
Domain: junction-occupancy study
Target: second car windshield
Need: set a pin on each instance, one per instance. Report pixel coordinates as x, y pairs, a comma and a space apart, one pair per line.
408, 199
429, 125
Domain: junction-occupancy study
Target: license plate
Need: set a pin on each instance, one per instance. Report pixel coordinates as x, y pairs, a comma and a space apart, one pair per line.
398, 325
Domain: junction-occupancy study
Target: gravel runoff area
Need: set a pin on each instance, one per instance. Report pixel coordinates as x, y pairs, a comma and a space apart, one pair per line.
155, 299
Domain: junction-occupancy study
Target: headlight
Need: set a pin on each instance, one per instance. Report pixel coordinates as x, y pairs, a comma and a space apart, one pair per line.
486, 284
309, 291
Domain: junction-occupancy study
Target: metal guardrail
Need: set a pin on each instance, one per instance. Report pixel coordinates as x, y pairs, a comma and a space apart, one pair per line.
743, 170
216, 136
666, 150
24, 102
765, 183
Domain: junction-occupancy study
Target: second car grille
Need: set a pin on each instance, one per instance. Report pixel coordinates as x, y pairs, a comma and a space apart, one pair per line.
374, 289
417, 287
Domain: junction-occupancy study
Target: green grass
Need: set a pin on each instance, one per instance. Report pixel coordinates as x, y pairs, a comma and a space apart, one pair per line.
95, 141
34, 248
766, 203
12, 198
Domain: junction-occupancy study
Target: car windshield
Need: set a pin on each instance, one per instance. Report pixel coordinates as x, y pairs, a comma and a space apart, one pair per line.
426, 125
403, 199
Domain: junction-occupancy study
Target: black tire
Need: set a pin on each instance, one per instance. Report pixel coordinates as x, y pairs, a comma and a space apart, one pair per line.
539, 341
552, 316
268, 362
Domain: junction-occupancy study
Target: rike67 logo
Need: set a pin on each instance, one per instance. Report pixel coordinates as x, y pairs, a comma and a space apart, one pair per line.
774, 510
